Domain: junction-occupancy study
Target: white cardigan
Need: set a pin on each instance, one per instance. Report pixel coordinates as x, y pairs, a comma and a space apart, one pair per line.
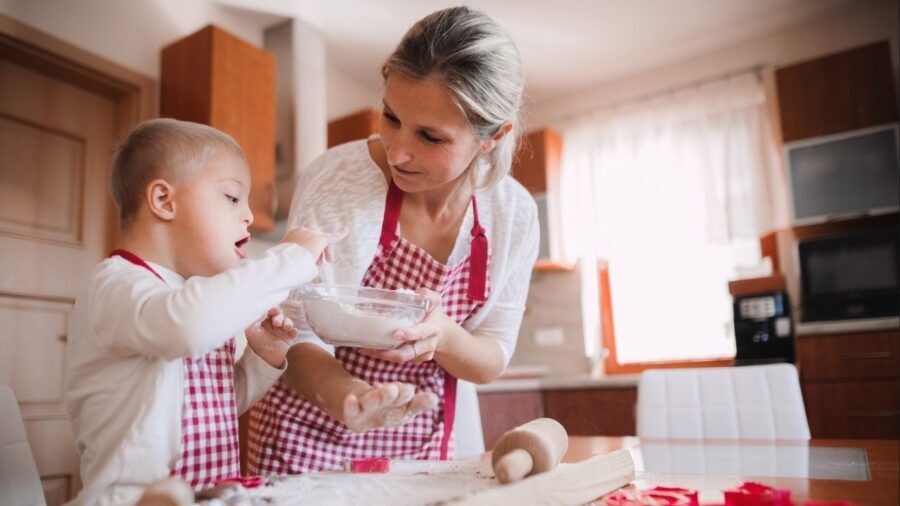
128, 334
344, 187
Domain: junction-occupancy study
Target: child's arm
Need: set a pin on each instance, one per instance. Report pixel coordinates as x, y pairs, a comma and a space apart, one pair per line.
322, 380
263, 361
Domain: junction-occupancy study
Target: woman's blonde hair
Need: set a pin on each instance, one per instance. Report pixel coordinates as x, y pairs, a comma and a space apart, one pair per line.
475, 59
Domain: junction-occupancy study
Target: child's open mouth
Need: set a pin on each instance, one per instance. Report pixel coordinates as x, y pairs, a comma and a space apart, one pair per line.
240, 244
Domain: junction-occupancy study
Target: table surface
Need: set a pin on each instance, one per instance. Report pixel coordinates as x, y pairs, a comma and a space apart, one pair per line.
859, 471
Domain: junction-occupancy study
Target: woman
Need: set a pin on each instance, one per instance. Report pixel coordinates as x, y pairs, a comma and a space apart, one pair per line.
429, 205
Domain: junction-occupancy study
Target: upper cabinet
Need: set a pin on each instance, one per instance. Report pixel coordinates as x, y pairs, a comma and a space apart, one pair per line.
844, 91
537, 160
215, 78
359, 125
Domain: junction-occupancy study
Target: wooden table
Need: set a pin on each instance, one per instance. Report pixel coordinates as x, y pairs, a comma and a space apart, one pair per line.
883, 457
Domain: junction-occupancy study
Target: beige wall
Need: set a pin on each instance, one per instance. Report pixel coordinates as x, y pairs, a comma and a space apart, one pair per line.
852, 25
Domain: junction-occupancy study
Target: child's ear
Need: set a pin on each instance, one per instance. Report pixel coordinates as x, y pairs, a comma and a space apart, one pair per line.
159, 198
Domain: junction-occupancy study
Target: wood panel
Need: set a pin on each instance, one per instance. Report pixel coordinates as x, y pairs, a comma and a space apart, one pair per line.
866, 355
858, 409
844, 91
215, 78
592, 412
356, 126
502, 411
536, 164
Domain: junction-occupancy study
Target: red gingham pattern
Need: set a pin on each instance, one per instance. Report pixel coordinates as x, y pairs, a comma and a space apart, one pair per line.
290, 435
209, 425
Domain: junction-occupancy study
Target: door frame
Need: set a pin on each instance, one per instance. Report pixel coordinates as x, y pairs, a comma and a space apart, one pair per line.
134, 94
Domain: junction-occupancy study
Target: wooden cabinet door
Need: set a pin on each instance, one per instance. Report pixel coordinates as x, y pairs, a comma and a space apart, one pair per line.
593, 412
840, 92
502, 411
865, 355
215, 78
55, 215
853, 410
356, 126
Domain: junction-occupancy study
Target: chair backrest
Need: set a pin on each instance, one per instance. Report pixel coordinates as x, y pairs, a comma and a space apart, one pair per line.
20, 484
750, 402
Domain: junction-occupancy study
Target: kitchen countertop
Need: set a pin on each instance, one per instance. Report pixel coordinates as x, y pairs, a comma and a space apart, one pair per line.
585, 381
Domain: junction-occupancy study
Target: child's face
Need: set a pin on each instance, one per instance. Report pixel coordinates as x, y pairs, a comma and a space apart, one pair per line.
212, 216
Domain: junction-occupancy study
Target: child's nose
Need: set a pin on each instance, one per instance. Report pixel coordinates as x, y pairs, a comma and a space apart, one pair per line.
248, 216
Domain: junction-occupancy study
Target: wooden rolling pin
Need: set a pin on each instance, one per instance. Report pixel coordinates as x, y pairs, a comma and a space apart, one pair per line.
532, 448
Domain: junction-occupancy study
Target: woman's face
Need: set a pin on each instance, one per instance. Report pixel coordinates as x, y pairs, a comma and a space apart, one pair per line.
426, 138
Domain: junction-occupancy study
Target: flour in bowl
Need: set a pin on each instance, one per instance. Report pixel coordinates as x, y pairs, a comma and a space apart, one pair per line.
361, 324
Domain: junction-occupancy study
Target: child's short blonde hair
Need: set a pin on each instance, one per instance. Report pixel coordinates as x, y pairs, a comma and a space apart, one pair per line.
162, 148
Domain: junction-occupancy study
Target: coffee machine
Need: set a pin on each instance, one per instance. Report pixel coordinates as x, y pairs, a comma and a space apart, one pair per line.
763, 329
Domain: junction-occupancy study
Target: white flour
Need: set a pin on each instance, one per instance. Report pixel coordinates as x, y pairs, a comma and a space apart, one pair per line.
365, 326
408, 483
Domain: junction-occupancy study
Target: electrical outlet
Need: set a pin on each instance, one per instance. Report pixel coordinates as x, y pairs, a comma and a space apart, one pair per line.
549, 336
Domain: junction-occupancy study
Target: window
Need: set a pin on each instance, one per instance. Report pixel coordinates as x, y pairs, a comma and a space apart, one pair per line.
673, 193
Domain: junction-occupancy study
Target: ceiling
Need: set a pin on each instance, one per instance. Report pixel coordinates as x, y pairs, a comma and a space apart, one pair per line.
566, 45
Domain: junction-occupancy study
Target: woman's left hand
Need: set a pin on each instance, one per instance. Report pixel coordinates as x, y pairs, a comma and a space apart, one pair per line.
420, 341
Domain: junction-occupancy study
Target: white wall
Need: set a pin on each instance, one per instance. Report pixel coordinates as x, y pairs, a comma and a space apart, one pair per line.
132, 33
347, 96
854, 25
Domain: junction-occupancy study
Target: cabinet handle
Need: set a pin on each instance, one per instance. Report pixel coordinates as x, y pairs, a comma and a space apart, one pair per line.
872, 414
63, 338
869, 354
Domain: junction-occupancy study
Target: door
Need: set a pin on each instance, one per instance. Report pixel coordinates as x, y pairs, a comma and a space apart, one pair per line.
55, 214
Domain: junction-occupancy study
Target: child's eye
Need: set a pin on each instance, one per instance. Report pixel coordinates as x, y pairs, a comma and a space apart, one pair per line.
234, 200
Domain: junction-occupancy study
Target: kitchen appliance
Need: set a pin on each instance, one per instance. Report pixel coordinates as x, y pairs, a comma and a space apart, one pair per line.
846, 175
850, 276
762, 329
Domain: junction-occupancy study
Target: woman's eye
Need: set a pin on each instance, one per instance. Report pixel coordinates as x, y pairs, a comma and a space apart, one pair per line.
390, 117
234, 200
431, 139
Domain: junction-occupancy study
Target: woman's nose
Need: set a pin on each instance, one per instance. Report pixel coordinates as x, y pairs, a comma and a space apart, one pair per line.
399, 152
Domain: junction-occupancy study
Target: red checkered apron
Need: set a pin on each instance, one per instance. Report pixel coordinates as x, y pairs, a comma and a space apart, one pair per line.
290, 435
209, 427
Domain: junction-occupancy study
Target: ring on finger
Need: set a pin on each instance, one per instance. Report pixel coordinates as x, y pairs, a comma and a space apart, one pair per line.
415, 352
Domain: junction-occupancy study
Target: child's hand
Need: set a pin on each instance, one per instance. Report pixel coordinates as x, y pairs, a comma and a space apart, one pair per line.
271, 337
320, 244
385, 405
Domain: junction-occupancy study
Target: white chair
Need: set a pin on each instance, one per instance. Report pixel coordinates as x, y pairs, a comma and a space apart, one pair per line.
750, 402
20, 484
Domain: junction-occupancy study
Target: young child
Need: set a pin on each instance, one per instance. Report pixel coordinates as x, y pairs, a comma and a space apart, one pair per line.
153, 389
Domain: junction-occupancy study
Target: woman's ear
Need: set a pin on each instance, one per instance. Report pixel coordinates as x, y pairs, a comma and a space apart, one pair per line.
159, 198
491, 143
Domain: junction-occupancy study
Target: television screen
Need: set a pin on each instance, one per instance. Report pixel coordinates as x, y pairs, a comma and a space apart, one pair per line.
847, 174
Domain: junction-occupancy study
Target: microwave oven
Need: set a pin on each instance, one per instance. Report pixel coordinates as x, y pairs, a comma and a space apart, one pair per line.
850, 276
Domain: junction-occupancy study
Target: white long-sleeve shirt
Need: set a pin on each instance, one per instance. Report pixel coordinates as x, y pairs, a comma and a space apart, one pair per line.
128, 335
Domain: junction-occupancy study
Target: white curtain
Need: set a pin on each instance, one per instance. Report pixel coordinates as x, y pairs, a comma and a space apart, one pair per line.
674, 193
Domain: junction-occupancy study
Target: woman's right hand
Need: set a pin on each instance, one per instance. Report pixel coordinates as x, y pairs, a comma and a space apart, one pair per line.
385, 405
320, 244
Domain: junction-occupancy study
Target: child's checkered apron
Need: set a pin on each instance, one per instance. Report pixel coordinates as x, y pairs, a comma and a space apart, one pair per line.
209, 428
290, 435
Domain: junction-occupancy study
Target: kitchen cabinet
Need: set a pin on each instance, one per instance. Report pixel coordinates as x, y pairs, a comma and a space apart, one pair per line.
537, 161
215, 78
840, 92
590, 411
851, 384
356, 126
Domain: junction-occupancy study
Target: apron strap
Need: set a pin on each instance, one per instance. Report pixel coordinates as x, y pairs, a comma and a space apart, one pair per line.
478, 254
449, 413
136, 260
391, 215
478, 258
